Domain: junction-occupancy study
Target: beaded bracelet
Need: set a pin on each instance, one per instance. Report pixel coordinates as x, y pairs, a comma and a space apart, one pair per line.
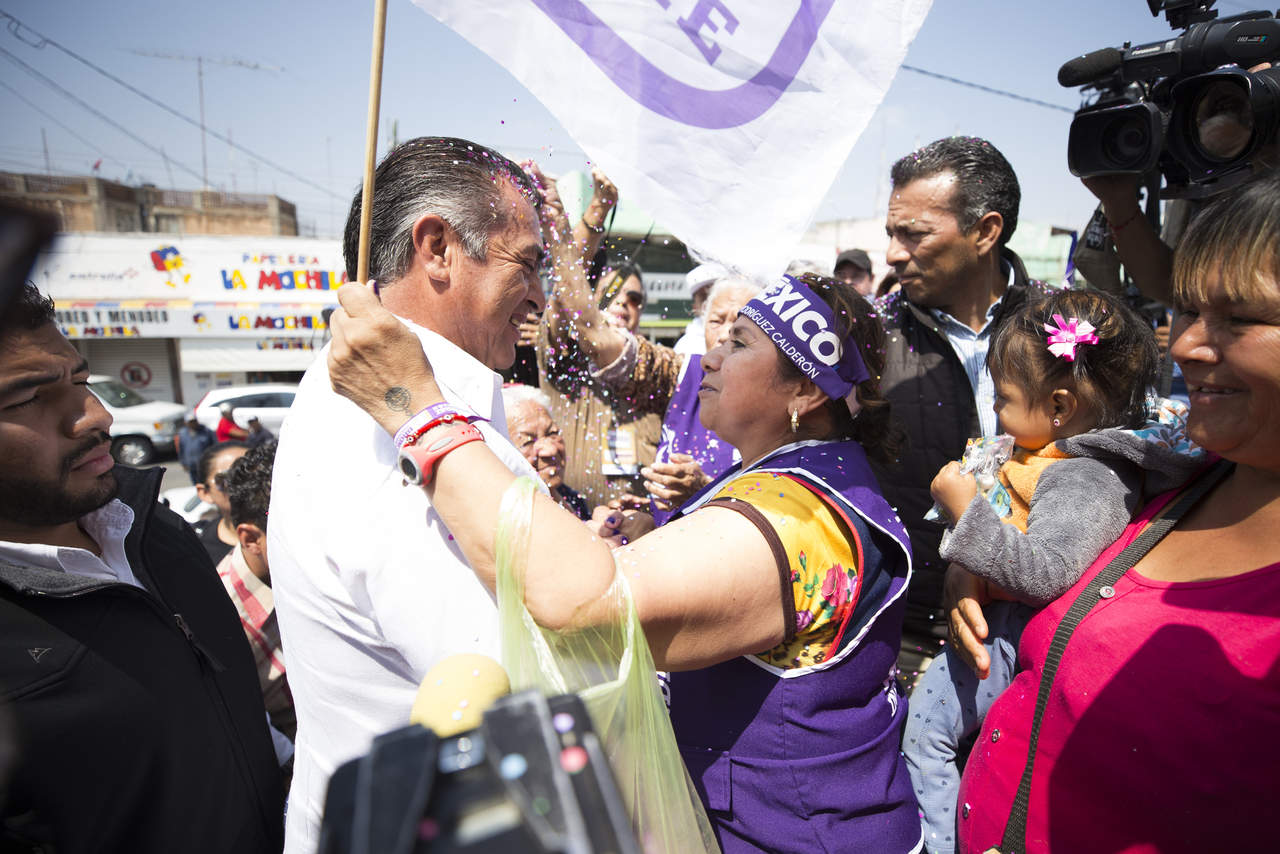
415, 423
446, 418
424, 420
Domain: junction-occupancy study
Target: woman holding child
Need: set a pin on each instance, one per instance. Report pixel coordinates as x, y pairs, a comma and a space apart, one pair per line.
1150, 698
1071, 373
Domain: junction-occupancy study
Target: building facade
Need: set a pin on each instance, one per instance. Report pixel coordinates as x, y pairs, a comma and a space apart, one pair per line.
88, 204
172, 317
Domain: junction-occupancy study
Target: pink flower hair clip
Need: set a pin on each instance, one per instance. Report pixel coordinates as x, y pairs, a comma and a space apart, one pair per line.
1064, 337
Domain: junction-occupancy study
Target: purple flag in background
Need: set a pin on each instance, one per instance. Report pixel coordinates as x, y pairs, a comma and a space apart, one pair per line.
725, 120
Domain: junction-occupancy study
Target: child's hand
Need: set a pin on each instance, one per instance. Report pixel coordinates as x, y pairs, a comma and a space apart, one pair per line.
953, 490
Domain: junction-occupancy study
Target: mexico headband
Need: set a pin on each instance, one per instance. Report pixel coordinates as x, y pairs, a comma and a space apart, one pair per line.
802, 326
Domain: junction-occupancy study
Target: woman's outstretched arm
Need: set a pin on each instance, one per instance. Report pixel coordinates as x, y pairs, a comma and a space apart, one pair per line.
573, 303
706, 587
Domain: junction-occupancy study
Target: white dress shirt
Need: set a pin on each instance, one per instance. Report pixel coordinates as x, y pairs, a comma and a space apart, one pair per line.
108, 526
370, 588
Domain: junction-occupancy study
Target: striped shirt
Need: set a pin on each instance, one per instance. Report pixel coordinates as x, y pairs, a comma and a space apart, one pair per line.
256, 606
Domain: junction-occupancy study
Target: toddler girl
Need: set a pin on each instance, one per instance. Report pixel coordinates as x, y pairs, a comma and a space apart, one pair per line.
1072, 372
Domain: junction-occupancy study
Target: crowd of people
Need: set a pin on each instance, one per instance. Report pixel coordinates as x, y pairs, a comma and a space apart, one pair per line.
860, 518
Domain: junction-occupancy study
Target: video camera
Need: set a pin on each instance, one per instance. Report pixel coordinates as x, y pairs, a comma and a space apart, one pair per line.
1186, 106
532, 778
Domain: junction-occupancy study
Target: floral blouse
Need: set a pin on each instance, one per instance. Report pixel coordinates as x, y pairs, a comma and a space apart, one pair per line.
818, 560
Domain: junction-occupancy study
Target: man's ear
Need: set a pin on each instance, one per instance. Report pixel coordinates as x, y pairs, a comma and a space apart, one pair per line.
252, 538
431, 243
987, 232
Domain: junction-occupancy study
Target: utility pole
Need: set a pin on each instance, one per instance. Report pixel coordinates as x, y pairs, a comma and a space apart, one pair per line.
328, 157
200, 61
168, 168
48, 167
204, 154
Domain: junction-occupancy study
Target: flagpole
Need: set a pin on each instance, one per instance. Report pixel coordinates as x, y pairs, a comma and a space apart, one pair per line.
371, 137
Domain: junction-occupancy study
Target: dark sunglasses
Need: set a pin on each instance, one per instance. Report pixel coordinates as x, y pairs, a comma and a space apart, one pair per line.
636, 298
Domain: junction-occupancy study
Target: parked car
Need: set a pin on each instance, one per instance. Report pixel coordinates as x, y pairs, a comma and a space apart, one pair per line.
141, 429
270, 402
184, 501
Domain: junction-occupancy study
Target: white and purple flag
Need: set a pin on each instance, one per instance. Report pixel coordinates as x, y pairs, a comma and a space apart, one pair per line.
725, 120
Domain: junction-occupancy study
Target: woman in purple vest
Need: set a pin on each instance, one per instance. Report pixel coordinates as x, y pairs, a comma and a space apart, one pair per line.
775, 598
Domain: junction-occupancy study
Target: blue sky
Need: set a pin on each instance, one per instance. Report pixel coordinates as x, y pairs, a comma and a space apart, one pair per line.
310, 116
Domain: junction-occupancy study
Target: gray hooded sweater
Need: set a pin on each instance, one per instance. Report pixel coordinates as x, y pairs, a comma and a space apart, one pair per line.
1081, 505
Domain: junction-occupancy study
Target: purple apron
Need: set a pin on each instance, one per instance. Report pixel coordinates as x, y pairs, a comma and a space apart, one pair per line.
808, 759
683, 433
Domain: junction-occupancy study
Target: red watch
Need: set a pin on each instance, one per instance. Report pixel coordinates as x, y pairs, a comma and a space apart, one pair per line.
418, 461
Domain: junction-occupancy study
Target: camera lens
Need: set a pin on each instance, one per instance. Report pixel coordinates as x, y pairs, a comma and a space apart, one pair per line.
1125, 141
1223, 120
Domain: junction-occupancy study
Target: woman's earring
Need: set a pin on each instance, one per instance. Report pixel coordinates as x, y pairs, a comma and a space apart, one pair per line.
795, 421
1057, 422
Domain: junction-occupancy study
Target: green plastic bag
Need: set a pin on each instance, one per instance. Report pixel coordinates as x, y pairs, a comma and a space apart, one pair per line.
609, 666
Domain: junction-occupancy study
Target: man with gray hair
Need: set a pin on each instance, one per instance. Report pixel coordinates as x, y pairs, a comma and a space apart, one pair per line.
370, 589
953, 209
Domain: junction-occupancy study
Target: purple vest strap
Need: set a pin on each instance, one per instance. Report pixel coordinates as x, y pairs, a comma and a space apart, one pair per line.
683, 433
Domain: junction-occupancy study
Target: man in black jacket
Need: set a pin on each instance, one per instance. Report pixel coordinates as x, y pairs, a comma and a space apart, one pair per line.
136, 721
953, 209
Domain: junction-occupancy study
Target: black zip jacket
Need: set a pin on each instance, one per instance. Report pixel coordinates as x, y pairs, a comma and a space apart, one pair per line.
931, 396
134, 715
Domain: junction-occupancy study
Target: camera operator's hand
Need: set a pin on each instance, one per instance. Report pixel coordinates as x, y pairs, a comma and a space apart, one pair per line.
1118, 194
1146, 258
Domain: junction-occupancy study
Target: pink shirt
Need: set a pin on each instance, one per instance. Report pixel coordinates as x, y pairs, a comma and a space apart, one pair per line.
1162, 731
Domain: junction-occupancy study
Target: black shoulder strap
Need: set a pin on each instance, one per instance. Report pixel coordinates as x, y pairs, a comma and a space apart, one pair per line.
1015, 831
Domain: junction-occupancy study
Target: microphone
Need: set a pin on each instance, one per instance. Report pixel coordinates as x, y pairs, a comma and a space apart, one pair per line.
455, 694
1089, 67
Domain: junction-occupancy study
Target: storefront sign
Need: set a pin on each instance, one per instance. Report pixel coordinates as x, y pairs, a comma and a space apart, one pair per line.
109, 267
285, 280
183, 319
288, 344
243, 319
134, 319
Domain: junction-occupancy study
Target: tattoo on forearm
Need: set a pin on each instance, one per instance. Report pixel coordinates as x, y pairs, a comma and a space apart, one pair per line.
397, 399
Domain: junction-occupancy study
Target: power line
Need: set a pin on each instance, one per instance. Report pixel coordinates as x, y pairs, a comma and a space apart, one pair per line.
1002, 93
93, 146
73, 97
200, 61
15, 26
